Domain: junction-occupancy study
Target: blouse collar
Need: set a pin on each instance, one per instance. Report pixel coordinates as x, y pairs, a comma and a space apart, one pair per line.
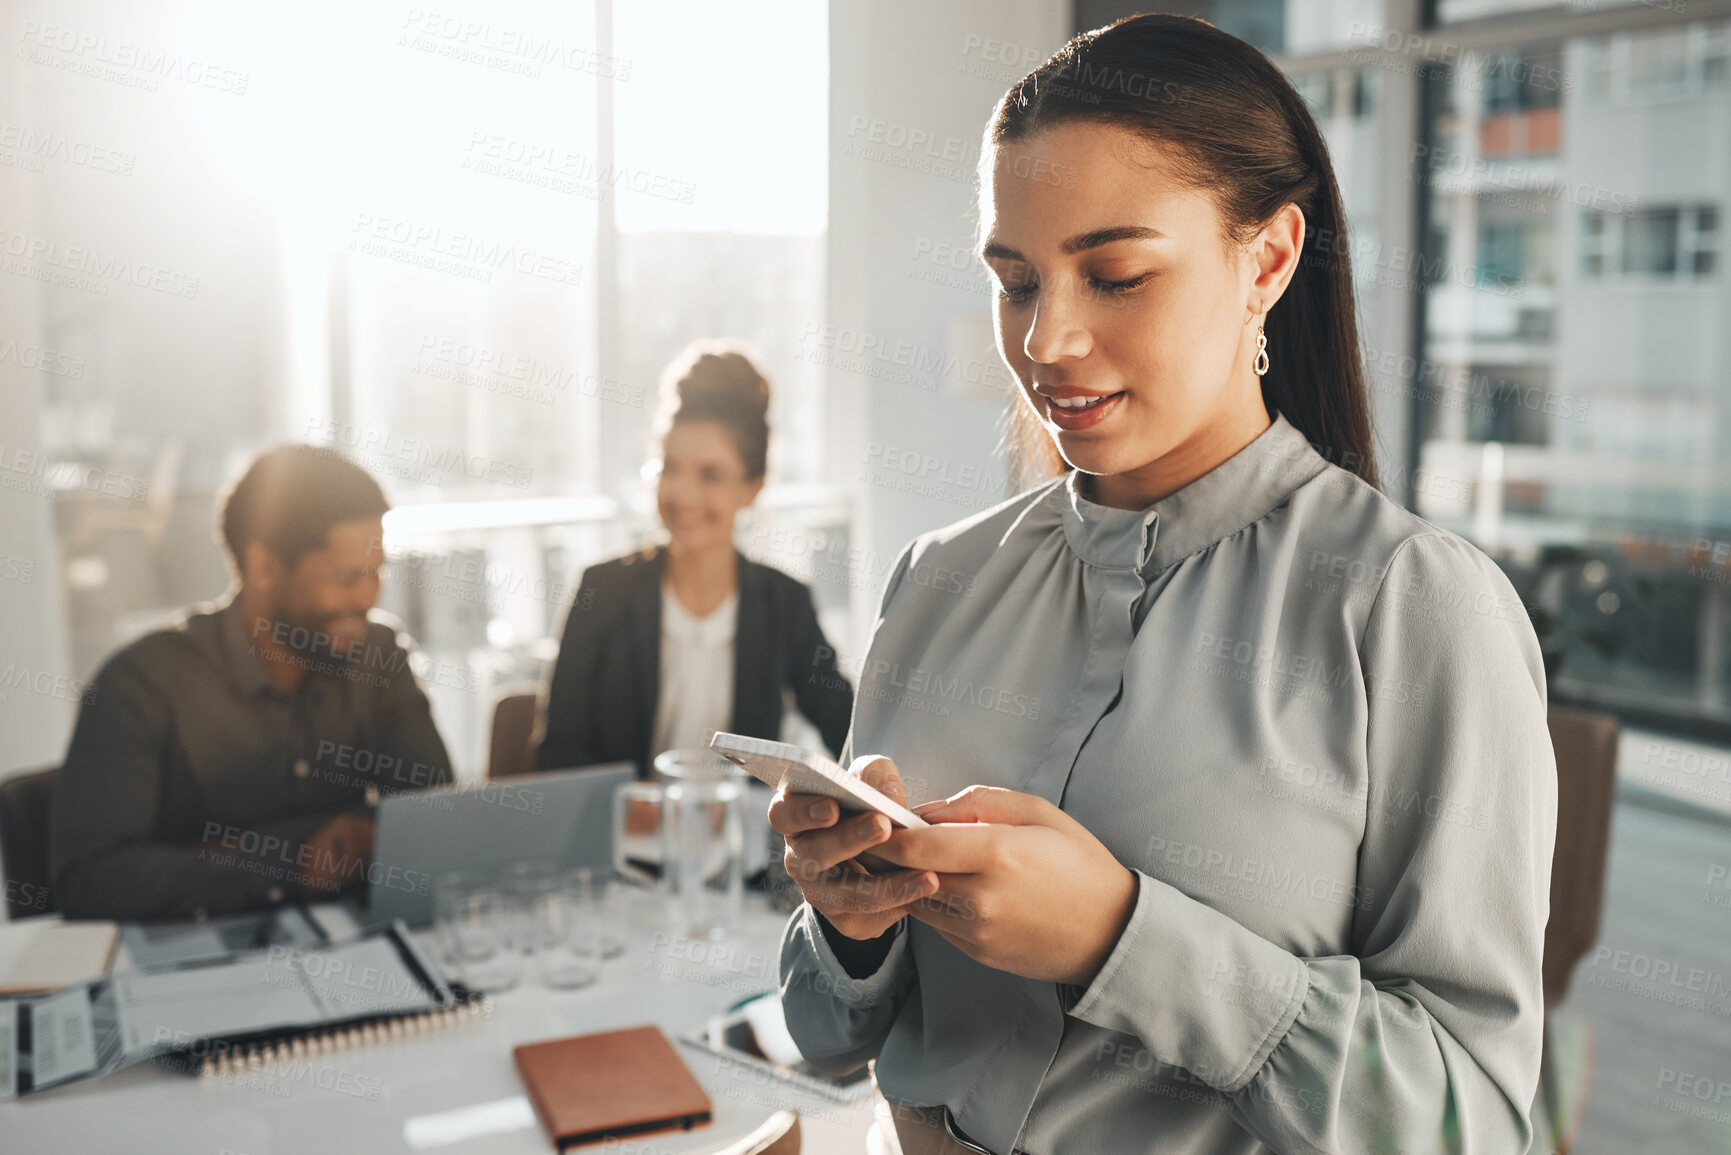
1237, 492
715, 628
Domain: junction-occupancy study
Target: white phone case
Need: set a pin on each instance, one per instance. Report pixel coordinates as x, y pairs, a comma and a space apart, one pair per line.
804, 772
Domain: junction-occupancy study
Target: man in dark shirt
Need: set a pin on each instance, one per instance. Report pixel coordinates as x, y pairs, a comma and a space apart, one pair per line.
233, 761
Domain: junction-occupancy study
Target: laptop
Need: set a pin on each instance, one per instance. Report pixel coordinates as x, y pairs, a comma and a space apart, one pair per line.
564, 817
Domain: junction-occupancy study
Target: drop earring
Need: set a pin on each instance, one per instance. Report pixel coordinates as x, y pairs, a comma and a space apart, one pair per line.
1261, 365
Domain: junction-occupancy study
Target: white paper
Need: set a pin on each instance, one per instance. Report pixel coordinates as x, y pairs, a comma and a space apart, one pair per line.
447, 1127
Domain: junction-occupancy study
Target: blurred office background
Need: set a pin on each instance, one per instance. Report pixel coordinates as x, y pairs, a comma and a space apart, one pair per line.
462, 243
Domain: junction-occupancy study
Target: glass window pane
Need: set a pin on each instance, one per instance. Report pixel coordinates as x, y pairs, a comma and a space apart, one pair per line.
1650, 242
1659, 60
1574, 274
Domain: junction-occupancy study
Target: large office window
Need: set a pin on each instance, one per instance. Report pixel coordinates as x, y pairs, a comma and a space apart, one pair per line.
458, 244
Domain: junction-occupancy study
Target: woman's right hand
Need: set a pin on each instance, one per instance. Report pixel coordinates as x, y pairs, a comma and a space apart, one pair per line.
821, 848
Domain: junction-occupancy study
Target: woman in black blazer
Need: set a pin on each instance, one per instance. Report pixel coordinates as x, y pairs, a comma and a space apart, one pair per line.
631, 677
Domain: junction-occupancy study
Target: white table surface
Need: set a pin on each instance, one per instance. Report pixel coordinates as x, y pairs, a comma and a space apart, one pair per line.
380, 1098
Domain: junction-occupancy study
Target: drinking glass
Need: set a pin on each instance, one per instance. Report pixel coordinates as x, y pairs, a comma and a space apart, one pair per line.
473, 926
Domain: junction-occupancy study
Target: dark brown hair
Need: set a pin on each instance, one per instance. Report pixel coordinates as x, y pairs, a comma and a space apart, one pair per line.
719, 381
290, 497
1240, 133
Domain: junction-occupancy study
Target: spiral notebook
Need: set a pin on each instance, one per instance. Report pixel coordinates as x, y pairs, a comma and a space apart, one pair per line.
216, 1017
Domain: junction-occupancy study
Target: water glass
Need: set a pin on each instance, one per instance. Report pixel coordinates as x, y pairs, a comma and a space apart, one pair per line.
473, 926
598, 914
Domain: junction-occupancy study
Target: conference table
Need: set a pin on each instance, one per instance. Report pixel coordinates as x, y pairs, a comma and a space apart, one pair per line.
456, 1091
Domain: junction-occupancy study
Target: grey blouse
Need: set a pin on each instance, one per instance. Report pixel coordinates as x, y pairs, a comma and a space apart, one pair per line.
1314, 726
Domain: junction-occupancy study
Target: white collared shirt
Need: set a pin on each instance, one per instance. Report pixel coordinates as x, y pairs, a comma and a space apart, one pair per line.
696, 697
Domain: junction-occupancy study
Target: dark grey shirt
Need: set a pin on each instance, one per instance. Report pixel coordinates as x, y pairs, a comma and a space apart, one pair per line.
192, 784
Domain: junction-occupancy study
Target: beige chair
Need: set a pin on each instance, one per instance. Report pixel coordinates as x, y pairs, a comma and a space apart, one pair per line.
511, 750
1586, 749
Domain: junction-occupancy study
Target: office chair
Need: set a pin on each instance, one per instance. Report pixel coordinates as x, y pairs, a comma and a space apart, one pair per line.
1585, 745
25, 803
511, 749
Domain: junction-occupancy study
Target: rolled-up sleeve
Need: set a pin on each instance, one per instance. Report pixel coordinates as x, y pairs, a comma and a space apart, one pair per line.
837, 1020
1427, 1037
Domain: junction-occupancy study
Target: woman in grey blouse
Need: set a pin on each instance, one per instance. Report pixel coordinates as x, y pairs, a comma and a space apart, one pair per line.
1244, 793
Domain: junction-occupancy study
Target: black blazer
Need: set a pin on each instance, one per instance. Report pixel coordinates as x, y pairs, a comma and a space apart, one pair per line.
600, 704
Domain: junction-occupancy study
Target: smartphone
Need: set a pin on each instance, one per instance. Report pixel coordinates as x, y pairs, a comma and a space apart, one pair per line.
803, 772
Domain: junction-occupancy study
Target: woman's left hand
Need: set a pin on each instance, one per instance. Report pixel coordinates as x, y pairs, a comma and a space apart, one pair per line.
1031, 891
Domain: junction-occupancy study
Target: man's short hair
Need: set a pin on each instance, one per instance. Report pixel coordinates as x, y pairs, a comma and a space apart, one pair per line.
289, 498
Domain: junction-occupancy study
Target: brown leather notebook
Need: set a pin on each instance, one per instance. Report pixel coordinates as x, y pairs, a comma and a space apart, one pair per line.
593, 1087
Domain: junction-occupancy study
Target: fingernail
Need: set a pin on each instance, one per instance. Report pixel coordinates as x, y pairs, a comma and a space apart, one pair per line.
869, 826
820, 810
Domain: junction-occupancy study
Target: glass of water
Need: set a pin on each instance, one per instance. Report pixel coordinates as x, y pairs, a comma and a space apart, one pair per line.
473, 926
599, 916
